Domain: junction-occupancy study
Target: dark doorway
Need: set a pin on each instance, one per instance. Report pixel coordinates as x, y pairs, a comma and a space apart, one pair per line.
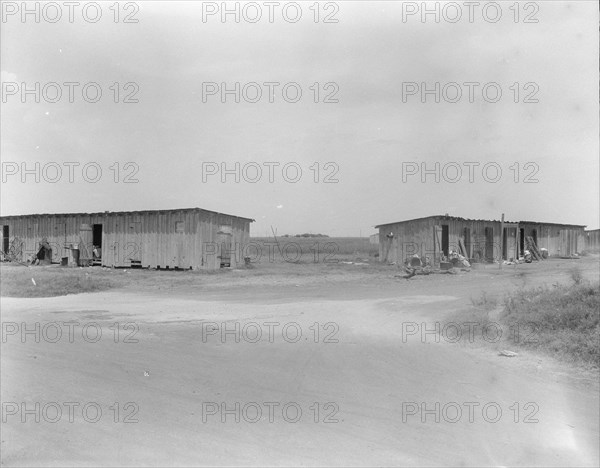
445, 239
5, 239
521, 241
534, 235
96, 244
489, 244
97, 235
467, 241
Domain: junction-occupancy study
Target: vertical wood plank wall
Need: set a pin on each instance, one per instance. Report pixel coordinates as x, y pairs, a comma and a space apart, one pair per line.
416, 237
592, 240
153, 238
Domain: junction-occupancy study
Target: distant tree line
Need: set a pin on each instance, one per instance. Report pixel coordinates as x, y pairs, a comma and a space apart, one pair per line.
306, 234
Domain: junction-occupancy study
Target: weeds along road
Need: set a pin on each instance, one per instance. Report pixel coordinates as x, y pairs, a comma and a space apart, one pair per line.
345, 385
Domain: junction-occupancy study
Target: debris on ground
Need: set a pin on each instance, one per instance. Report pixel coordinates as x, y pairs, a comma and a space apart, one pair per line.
456, 259
417, 266
507, 353
532, 248
451, 265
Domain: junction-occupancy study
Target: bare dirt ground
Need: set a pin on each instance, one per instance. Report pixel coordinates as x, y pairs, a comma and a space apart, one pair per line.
348, 391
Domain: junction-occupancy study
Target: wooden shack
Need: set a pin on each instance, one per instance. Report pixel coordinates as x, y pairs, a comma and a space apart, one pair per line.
479, 240
560, 240
592, 240
190, 238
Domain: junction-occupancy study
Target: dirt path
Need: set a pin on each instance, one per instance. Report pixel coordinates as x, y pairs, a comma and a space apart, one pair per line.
360, 397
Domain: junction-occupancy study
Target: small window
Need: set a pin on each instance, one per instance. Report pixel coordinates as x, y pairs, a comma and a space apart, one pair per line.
225, 229
179, 226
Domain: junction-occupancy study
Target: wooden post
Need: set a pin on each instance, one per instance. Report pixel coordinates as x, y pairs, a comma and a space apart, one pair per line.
501, 241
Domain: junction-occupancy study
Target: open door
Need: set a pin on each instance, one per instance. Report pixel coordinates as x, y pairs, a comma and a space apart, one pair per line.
97, 244
5, 239
509, 243
133, 247
521, 241
467, 242
224, 236
445, 239
437, 244
85, 245
489, 243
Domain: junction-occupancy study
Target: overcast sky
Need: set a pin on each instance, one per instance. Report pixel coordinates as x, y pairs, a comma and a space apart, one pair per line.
375, 136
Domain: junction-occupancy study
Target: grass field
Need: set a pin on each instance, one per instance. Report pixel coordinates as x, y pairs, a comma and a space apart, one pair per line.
313, 250
48, 281
563, 320
286, 256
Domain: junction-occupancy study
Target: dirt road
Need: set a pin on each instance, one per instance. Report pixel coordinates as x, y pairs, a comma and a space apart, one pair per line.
292, 375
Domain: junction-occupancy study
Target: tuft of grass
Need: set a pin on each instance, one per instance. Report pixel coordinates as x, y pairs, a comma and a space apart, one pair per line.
472, 320
484, 301
563, 321
576, 275
50, 281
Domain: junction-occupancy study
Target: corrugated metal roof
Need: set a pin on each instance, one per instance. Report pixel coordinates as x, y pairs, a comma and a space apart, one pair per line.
454, 218
457, 218
107, 213
552, 224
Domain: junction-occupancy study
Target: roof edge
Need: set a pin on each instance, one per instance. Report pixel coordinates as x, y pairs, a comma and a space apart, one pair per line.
458, 218
104, 213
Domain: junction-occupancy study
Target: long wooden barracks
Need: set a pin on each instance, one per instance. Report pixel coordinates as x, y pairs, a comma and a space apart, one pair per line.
190, 238
477, 239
